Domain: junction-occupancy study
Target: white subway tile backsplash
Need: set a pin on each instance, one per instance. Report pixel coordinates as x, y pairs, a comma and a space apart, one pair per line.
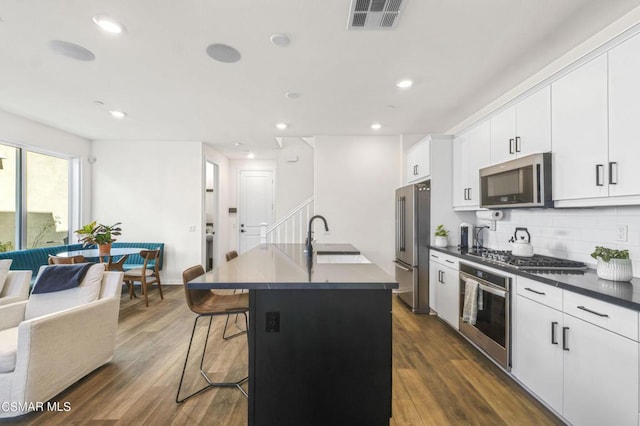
571, 233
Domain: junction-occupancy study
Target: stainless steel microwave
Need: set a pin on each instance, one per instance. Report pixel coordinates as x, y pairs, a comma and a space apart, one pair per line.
523, 182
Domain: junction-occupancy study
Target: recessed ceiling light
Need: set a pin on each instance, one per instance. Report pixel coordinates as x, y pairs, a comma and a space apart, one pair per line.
376, 126
280, 40
404, 84
71, 50
108, 24
251, 155
237, 144
281, 126
117, 114
292, 95
223, 53
99, 103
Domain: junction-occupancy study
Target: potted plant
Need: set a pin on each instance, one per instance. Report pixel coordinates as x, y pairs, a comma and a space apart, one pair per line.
613, 265
99, 234
441, 236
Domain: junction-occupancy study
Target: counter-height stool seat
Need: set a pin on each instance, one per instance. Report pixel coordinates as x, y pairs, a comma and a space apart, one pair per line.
206, 303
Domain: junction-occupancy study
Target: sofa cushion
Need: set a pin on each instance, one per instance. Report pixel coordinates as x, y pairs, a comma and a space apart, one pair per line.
87, 292
4, 271
8, 349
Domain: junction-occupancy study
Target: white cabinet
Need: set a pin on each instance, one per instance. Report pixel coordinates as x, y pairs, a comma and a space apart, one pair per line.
443, 275
600, 375
522, 129
579, 132
537, 353
417, 161
471, 151
582, 359
623, 174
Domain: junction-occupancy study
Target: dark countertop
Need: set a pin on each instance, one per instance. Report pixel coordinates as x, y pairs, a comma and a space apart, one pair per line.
626, 294
286, 266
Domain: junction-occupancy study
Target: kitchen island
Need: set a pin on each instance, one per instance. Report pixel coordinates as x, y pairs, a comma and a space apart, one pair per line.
319, 336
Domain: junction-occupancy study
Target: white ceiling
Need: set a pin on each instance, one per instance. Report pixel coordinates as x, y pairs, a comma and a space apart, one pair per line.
461, 54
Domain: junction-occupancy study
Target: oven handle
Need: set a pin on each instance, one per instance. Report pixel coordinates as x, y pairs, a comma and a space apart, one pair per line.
493, 290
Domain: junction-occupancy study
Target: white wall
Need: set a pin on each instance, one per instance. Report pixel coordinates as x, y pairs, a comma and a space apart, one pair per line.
295, 178
18, 131
571, 233
156, 189
355, 178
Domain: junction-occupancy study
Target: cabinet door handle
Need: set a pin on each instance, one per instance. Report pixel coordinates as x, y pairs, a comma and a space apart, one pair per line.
593, 312
434, 256
440, 277
535, 291
613, 177
518, 144
511, 151
599, 167
565, 338
469, 194
554, 324
417, 169
465, 194
448, 261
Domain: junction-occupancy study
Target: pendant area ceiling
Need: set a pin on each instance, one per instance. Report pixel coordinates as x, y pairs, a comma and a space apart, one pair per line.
460, 54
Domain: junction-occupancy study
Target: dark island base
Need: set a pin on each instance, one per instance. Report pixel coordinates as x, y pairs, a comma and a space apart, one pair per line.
320, 357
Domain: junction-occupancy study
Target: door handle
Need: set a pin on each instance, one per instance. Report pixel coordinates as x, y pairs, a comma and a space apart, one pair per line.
599, 167
535, 291
402, 267
593, 312
554, 324
242, 230
565, 338
611, 174
511, 151
518, 144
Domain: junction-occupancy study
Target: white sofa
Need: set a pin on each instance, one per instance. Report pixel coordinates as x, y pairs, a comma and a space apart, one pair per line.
16, 287
54, 350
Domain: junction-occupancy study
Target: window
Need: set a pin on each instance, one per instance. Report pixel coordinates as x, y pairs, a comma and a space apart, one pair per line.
34, 199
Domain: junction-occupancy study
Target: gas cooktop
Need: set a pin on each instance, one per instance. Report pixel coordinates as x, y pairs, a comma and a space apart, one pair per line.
535, 263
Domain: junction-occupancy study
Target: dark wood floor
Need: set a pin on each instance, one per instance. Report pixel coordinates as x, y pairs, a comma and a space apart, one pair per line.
438, 377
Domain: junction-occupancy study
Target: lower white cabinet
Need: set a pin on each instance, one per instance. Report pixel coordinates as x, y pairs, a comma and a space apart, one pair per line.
600, 375
585, 372
537, 360
447, 293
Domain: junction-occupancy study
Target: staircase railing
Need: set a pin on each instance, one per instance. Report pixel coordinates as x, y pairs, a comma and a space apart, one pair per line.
292, 228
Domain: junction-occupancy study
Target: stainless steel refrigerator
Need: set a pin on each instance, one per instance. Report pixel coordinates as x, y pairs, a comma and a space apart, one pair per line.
413, 205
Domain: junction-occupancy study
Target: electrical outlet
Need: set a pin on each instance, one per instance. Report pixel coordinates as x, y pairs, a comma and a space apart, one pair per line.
621, 232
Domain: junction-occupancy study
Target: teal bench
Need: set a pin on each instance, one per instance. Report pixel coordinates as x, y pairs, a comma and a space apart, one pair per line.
34, 258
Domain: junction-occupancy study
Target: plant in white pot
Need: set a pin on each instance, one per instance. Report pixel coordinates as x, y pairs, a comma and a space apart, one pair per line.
613, 265
441, 236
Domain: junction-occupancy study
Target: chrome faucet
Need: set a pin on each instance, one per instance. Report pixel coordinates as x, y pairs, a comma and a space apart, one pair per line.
308, 246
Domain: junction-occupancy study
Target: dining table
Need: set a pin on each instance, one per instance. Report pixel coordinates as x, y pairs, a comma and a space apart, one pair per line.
113, 261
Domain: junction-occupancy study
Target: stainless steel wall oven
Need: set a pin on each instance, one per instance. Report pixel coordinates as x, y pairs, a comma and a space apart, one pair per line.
485, 310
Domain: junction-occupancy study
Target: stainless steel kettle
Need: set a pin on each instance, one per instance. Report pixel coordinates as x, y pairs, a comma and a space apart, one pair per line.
519, 246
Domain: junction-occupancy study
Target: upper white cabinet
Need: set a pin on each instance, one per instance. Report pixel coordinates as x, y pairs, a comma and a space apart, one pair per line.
623, 173
579, 132
417, 161
523, 129
471, 151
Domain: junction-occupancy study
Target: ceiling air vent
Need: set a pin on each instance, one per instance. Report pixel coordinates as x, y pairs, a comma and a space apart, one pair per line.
374, 14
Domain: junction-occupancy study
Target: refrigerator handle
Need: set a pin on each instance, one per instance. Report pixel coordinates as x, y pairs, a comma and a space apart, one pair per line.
402, 223
398, 265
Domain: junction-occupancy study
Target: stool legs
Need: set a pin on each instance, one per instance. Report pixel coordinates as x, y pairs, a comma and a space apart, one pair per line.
210, 384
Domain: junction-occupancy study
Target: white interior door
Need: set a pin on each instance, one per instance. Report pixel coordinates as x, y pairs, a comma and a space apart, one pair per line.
255, 207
